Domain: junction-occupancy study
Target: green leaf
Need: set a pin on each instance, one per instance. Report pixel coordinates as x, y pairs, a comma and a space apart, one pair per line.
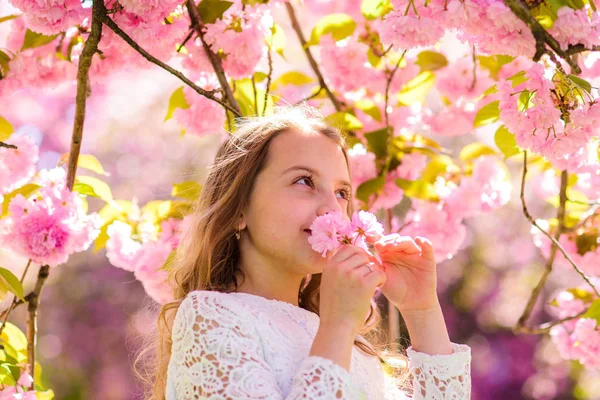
525, 100
244, 94
488, 114
34, 39
377, 142
25, 190
344, 121
98, 188
372, 9
367, 188
44, 395
277, 40
494, 63
581, 83
4, 67
593, 312
431, 60
339, 25
12, 336
177, 100
6, 129
91, 163
291, 78
415, 90
212, 10
491, 90
586, 242
369, 107
437, 166
8, 18
475, 150
518, 78
12, 282
188, 190
418, 189
374, 59
506, 142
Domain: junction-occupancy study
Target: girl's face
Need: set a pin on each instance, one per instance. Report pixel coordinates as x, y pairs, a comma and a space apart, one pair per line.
305, 176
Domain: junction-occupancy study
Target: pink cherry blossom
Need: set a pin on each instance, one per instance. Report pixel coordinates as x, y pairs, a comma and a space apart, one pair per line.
581, 344
51, 16
51, 225
573, 27
438, 224
326, 231
204, 116
150, 9
17, 166
240, 34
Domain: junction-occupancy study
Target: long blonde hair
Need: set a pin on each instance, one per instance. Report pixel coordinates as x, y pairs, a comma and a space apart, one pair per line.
207, 257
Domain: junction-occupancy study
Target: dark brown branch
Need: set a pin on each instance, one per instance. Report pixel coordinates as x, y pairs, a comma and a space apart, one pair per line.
521, 324
474, 69
311, 60
15, 301
269, 78
312, 96
208, 94
198, 25
33, 301
187, 38
542, 37
8, 146
580, 48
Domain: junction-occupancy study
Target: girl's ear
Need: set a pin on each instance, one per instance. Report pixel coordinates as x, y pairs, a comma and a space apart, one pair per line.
241, 223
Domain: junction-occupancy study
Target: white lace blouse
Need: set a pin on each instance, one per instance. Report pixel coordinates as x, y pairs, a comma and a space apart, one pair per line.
244, 346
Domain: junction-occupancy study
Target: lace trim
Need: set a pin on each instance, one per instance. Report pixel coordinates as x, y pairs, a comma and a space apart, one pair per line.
441, 376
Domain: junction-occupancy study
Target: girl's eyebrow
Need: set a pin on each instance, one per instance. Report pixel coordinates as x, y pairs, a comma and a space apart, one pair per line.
312, 171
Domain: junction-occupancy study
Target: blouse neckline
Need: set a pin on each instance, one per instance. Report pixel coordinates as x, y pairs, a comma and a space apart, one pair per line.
280, 303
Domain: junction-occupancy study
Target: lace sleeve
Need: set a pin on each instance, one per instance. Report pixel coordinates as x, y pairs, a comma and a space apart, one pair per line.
439, 377
217, 354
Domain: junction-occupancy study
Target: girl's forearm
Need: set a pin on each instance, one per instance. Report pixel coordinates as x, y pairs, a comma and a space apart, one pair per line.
427, 330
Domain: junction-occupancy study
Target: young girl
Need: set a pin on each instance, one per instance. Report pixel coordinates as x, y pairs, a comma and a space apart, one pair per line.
261, 315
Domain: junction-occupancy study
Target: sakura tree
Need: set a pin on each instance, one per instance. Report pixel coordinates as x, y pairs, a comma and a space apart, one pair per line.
440, 102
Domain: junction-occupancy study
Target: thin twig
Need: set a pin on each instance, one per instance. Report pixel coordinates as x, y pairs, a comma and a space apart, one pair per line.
521, 326
15, 300
554, 241
198, 25
474, 69
8, 146
269, 78
312, 96
311, 60
208, 94
387, 90
545, 327
255, 95
187, 38
33, 301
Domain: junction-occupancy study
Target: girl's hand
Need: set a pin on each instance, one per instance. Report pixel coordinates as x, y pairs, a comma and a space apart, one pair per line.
410, 270
347, 287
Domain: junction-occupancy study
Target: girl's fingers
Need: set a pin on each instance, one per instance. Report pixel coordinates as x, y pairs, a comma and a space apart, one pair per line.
403, 243
427, 247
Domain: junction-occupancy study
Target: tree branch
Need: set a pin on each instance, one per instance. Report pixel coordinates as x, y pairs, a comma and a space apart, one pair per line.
269, 78
542, 37
311, 60
198, 25
8, 146
521, 324
208, 94
16, 300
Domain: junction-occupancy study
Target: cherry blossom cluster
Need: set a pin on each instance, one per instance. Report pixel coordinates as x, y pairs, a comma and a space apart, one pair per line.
330, 231
578, 338
50, 225
145, 252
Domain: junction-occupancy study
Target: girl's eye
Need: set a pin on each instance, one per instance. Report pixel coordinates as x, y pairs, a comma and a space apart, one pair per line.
345, 192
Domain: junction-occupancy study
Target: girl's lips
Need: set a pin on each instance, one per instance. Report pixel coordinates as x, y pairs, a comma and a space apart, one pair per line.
308, 231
